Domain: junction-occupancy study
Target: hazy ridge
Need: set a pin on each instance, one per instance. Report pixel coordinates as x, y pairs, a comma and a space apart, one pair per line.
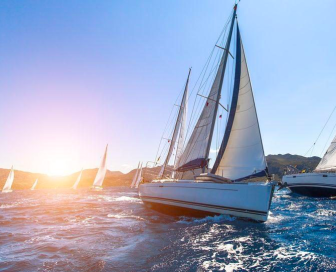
24, 180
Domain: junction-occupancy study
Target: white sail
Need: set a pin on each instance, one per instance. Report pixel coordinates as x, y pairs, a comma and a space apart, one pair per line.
328, 162
196, 151
139, 178
135, 176
241, 154
8, 185
77, 180
179, 131
34, 185
98, 182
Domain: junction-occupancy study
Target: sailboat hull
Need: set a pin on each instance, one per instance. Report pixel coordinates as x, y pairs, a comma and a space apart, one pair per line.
312, 184
7, 191
189, 197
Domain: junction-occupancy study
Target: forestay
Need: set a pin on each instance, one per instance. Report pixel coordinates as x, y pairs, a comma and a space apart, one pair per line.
98, 182
241, 154
328, 162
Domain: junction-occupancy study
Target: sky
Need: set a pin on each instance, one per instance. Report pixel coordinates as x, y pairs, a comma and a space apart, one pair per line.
77, 75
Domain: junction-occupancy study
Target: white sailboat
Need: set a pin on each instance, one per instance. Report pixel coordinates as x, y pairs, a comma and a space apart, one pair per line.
8, 185
139, 178
241, 156
77, 180
34, 185
98, 182
321, 182
135, 176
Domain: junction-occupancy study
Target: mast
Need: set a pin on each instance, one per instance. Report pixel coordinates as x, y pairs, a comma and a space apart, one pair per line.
226, 54
177, 126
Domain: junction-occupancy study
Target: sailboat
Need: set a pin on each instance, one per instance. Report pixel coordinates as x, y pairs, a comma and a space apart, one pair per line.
135, 176
224, 189
98, 182
77, 180
8, 185
34, 185
139, 178
321, 182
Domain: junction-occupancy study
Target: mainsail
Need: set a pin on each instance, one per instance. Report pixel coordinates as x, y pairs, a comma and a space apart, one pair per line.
138, 178
179, 130
34, 185
98, 182
328, 162
77, 180
241, 154
196, 152
135, 176
9, 182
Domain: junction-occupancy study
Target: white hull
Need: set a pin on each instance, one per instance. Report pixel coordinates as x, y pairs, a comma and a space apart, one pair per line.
7, 191
312, 184
244, 200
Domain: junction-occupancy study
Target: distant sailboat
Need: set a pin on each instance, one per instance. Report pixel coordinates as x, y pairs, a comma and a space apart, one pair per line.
98, 182
34, 185
78, 180
8, 185
135, 176
139, 178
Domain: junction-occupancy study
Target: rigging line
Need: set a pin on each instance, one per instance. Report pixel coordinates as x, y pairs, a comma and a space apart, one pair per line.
203, 72
331, 133
225, 28
323, 128
164, 132
209, 58
216, 64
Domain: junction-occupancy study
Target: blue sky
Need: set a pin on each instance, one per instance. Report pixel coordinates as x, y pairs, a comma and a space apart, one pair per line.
76, 75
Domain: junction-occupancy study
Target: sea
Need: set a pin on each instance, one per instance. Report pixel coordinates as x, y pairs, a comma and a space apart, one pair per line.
111, 230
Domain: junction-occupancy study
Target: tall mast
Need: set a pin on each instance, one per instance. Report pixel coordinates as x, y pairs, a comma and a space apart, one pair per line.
172, 142
225, 56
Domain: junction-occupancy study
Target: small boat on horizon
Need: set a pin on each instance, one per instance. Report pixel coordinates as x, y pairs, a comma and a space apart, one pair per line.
8, 185
224, 188
77, 180
98, 182
34, 185
137, 177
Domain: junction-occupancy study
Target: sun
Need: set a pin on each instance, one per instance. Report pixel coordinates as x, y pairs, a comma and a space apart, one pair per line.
58, 167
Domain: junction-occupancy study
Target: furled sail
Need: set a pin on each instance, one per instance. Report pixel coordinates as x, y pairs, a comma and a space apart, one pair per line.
98, 182
135, 176
139, 178
241, 154
34, 185
179, 130
8, 185
196, 152
77, 180
328, 162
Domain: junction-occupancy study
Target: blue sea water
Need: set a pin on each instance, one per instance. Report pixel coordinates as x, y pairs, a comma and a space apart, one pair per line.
111, 230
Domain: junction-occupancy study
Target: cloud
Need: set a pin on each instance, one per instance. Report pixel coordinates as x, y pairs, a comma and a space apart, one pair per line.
125, 166
214, 150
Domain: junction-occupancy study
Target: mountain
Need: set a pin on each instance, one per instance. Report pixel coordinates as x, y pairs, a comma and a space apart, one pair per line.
277, 163
24, 180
